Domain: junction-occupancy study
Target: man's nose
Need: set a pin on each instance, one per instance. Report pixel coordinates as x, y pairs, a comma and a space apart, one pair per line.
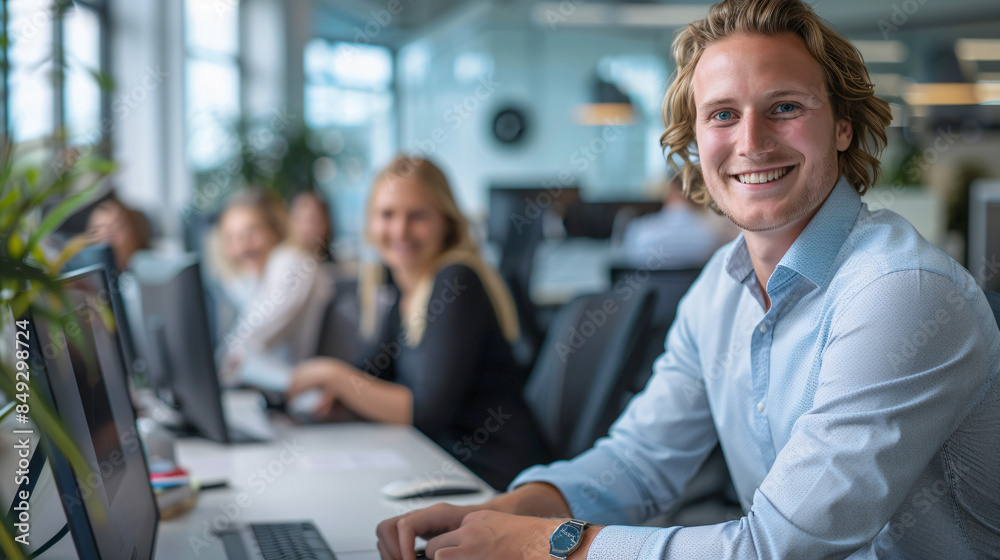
756, 138
400, 227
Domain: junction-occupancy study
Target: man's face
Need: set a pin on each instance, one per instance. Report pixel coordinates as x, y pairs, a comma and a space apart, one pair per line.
766, 135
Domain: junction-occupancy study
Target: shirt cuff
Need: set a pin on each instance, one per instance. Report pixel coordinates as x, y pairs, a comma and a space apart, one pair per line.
564, 480
620, 543
588, 498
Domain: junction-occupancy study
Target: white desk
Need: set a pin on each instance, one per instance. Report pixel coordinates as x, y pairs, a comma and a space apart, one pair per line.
330, 474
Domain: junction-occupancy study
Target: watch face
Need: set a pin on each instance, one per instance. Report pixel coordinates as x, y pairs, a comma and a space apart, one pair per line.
565, 539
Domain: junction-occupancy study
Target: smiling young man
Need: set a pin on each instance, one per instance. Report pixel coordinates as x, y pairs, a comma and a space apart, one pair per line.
848, 368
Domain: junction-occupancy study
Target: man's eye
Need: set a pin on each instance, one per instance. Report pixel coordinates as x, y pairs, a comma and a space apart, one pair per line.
723, 115
786, 107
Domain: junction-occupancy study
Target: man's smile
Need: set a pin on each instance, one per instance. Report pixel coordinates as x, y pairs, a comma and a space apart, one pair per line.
763, 175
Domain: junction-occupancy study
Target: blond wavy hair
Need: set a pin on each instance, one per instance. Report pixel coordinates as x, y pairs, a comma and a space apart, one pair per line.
459, 247
847, 83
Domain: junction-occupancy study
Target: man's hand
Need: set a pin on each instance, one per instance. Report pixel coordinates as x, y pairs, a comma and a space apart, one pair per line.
396, 536
493, 535
483, 523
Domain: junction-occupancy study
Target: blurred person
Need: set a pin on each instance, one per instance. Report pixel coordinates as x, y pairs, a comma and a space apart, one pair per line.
681, 234
278, 292
252, 224
123, 229
443, 360
846, 366
309, 224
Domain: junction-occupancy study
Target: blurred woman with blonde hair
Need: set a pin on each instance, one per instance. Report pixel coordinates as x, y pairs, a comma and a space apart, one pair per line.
277, 290
442, 359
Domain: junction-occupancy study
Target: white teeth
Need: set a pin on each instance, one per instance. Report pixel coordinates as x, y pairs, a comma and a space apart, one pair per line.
756, 178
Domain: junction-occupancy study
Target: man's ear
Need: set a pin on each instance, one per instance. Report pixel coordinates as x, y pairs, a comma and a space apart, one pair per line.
845, 133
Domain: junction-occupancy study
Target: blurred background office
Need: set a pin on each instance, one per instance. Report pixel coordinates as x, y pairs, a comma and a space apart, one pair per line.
545, 117
196, 99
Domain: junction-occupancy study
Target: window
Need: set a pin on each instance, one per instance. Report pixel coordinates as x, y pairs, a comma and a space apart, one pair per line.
32, 109
212, 81
349, 106
81, 30
31, 97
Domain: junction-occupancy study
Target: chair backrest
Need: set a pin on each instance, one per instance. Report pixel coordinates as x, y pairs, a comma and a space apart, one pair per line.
669, 286
339, 335
583, 366
517, 258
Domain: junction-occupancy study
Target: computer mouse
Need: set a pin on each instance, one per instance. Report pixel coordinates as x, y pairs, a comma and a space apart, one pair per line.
424, 487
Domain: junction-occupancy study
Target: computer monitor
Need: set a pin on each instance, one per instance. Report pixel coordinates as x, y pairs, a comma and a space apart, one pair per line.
181, 356
111, 510
984, 234
512, 207
101, 254
598, 220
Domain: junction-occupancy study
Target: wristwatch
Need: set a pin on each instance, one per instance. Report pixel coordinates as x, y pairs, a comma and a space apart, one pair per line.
566, 538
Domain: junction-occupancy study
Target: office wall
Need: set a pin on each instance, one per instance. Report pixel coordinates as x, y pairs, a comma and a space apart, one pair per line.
146, 106
453, 80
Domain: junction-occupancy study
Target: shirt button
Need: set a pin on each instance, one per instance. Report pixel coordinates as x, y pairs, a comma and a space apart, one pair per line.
760, 407
763, 327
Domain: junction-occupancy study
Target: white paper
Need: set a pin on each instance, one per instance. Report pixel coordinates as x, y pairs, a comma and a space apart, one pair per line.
354, 460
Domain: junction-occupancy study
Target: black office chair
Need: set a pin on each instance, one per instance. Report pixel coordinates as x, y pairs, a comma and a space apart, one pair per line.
583, 368
669, 286
339, 335
709, 496
517, 258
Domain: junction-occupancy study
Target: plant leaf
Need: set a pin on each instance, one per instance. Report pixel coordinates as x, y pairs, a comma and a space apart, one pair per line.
31, 176
60, 213
97, 165
15, 246
8, 199
104, 81
10, 549
42, 258
74, 246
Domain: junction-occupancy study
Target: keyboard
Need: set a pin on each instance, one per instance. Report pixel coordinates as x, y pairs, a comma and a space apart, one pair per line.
298, 540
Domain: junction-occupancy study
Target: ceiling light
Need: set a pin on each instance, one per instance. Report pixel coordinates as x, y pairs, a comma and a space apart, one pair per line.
882, 51
953, 94
556, 14
977, 49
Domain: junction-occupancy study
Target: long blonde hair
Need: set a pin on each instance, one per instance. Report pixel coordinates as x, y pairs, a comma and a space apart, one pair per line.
459, 247
848, 85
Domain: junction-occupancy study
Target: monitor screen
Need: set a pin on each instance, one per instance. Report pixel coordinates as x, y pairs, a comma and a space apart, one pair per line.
180, 348
511, 208
116, 282
111, 508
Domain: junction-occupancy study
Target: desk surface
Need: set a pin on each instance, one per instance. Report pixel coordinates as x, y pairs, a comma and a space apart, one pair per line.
330, 474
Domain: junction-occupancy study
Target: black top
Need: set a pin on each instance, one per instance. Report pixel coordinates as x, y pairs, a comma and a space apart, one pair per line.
467, 388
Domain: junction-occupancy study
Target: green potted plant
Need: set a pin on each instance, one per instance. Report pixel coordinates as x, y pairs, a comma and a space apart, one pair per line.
36, 195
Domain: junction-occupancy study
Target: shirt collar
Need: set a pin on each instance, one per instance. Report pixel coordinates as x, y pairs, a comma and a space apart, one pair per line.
813, 252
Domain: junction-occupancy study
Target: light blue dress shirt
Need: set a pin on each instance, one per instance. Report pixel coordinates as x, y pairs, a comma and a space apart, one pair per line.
859, 415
